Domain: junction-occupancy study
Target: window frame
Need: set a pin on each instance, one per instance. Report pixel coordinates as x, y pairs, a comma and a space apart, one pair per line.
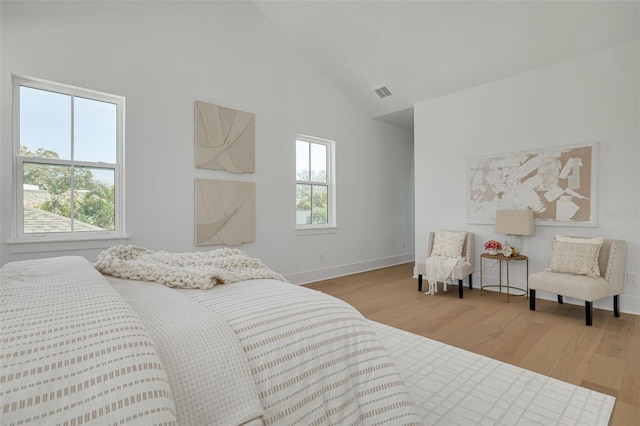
18, 162
331, 225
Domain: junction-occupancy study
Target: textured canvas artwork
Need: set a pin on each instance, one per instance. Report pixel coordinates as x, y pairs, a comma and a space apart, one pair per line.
557, 184
224, 138
225, 212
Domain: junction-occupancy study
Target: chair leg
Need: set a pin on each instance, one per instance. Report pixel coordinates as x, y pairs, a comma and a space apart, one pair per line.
532, 299
460, 289
616, 306
420, 282
470, 281
588, 312
560, 299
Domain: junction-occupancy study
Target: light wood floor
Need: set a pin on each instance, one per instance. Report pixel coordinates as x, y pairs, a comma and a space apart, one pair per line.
553, 340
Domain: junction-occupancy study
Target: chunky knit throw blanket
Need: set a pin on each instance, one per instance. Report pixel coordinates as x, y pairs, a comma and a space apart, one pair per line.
201, 270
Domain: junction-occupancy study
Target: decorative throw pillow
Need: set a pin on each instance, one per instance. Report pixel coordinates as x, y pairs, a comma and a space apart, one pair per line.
582, 240
575, 256
448, 243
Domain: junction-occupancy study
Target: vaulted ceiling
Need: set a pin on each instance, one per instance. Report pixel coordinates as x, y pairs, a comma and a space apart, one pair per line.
425, 49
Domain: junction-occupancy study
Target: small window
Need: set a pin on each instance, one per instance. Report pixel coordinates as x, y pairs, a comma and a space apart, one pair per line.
68, 161
315, 183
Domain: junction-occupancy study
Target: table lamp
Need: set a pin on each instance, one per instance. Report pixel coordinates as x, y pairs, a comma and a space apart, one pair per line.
514, 223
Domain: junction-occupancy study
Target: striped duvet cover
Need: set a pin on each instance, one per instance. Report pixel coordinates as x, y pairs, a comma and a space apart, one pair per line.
77, 348
315, 360
72, 352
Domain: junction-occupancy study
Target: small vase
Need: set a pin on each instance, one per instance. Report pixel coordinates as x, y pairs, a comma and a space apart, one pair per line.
493, 251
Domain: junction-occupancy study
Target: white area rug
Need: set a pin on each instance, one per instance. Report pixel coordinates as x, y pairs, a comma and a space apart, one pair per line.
452, 386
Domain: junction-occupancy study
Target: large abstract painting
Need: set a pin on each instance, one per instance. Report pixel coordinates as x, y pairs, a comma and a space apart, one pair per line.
224, 138
225, 212
558, 184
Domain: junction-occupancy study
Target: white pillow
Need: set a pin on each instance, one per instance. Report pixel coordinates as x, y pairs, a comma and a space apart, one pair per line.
448, 243
575, 256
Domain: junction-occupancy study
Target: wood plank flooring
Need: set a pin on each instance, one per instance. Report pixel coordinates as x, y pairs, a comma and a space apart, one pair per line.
553, 340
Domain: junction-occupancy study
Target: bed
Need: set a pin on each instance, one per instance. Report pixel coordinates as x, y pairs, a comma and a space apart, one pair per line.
81, 347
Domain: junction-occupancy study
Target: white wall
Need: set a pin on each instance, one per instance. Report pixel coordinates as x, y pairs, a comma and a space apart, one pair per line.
1, 150
590, 98
162, 57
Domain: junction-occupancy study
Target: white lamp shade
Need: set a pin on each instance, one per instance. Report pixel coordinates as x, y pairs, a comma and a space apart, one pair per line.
514, 222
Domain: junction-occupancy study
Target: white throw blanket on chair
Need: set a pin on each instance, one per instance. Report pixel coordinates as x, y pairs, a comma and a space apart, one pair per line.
439, 268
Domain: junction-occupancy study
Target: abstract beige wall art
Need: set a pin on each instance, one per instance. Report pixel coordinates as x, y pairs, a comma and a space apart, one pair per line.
225, 212
225, 138
558, 184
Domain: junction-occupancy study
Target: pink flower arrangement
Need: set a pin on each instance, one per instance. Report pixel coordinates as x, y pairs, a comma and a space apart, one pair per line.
492, 245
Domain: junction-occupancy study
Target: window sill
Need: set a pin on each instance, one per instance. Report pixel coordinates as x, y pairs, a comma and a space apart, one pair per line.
18, 247
317, 231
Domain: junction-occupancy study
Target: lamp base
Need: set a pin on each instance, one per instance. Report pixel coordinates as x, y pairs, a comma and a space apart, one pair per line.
514, 241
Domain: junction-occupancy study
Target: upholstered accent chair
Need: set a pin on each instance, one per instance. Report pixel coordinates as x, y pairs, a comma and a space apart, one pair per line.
607, 282
462, 269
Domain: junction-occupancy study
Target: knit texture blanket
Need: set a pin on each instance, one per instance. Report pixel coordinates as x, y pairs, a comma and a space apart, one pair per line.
201, 270
439, 268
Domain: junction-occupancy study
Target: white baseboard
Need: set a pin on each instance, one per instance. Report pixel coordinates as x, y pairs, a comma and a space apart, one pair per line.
348, 269
628, 304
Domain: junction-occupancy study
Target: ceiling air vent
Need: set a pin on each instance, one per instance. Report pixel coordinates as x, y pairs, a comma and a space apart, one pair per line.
382, 92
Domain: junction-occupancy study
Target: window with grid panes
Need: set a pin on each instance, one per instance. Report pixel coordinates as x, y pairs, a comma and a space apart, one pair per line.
68, 162
315, 183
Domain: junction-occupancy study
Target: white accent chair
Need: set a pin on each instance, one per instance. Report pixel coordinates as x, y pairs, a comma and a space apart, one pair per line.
611, 262
461, 271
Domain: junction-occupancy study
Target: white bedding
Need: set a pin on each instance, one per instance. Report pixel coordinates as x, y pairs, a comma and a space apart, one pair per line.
210, 379
73, 352
315, 359
78, 348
